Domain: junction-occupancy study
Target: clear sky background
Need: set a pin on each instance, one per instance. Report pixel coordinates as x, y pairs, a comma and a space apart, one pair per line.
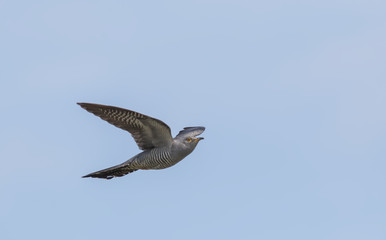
292, 95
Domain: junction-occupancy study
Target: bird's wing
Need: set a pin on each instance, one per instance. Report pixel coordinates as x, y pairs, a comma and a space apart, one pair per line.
190, 131
147, 132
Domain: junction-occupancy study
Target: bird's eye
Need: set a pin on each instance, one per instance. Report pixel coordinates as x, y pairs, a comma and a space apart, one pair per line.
188, 140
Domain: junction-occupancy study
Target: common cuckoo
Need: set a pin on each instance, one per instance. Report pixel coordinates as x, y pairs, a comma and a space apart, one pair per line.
152, 136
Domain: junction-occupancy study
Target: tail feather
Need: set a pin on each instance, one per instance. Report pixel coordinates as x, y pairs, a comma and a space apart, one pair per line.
109, 173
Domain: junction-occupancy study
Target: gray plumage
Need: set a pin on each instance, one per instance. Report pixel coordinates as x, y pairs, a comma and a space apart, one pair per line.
160, 149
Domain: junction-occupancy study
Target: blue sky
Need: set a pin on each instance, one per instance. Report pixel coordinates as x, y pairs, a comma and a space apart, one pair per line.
292, 95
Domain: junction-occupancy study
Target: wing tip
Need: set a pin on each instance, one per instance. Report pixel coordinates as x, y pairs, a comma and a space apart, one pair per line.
82, 104
198, 128
89, 106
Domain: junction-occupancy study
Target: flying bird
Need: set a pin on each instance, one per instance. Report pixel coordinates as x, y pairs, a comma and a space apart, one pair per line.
160, 149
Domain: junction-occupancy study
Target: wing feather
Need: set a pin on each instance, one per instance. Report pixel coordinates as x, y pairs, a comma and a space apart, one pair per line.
147, 132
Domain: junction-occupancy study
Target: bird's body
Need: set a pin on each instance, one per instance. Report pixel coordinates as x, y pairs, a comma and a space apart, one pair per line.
151, 135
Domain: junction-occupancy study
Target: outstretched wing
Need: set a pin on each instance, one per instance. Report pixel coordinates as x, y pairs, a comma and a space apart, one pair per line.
190, 131
147, 132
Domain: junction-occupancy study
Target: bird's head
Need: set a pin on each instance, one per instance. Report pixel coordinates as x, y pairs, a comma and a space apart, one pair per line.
188, 136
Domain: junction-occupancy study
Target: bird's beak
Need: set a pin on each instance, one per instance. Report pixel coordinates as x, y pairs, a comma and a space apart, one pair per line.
199, 138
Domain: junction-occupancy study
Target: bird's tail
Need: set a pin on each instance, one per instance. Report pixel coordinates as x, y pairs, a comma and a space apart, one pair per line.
109, 173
